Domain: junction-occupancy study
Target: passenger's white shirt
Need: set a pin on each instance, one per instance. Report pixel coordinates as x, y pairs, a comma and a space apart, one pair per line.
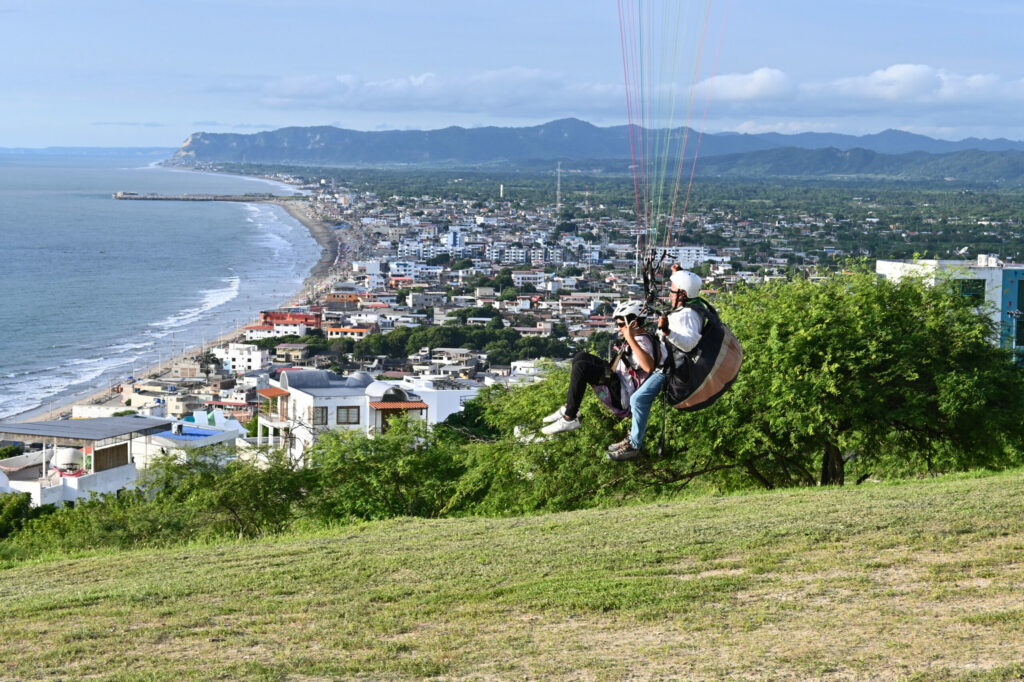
684, 328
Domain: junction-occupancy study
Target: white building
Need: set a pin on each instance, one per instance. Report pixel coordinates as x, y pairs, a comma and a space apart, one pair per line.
427, 299
304, 404
531, 277
242, 357
356, 333
72, 459
992, 283
455, 242
255, 332
688, 256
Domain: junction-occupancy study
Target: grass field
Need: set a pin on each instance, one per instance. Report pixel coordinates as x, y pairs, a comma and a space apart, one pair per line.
922, 580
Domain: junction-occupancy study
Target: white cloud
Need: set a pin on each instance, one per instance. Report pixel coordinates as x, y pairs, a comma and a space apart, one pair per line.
915, 97
764, 83
514, 91
898, 82
788, 127
917, 84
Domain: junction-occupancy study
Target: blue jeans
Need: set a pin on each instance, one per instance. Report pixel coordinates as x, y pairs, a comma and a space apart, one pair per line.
641, 402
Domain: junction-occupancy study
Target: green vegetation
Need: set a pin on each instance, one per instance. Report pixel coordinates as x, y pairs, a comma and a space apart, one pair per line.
894, 377
341, 566
918, 580
841, 382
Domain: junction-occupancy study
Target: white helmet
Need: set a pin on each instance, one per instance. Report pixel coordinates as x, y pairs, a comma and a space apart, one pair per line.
687, 281
627, 308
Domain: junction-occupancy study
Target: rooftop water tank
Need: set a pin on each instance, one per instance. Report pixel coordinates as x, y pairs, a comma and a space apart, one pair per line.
68, 459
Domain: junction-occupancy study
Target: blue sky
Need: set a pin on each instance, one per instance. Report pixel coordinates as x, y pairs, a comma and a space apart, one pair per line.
149, 72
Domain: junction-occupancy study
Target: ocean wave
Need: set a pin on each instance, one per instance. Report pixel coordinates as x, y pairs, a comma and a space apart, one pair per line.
212, 298
36, 388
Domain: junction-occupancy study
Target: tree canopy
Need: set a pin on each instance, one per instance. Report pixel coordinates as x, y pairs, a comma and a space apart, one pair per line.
848, 375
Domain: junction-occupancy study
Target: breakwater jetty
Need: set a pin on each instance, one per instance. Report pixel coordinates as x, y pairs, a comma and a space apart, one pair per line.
249, 198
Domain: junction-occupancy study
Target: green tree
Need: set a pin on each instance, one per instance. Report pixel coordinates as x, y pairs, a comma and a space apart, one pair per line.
16, 510
229, 496
882, 376
343, 346
10, 451
208, 363
439, 259
409, 470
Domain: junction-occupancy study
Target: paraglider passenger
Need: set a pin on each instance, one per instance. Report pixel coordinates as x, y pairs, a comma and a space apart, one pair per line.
613, 382
681, 330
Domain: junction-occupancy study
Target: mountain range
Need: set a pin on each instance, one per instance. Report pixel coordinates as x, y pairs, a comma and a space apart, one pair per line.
890, 153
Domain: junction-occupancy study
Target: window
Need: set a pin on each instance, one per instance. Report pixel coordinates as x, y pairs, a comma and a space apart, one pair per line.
319, 416
973, 289
348, 415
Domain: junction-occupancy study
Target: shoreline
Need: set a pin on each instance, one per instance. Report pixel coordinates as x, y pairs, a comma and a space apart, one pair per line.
319, 278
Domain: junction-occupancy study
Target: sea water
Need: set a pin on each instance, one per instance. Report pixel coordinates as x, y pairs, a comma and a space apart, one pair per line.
93, 289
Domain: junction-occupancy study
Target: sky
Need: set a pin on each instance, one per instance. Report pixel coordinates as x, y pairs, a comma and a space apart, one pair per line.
151, 72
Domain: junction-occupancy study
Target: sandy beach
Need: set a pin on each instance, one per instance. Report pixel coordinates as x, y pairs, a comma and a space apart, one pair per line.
319, 278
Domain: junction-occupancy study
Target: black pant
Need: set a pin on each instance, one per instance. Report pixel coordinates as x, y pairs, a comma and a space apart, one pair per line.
590, 369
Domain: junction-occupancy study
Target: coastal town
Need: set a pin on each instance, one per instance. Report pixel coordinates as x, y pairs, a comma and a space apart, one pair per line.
418, 303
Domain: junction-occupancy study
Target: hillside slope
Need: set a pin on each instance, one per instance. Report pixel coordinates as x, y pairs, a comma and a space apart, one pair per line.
565, 139
920, 580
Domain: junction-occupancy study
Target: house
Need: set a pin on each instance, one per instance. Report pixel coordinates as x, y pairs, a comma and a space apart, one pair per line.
71, 459
242, 357
452, 356
291, 352
427, 299
543, 329
303, 404
291, 318
356, 333
254, 332
534, 278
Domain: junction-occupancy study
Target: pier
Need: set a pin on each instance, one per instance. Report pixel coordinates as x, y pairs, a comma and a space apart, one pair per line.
134, 196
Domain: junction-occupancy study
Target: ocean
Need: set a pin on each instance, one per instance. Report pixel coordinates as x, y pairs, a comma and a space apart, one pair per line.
93, 289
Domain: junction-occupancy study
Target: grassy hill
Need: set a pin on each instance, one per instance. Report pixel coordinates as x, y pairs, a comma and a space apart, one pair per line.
920, 580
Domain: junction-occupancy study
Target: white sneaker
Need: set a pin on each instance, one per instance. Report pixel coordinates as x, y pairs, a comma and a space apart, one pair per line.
560, 412
526, 437
561, 425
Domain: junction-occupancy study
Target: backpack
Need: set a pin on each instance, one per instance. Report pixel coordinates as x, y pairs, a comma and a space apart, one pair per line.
708, 370
637, 375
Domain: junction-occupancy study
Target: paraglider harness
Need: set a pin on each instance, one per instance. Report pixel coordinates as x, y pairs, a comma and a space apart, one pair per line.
638, 376
695, 379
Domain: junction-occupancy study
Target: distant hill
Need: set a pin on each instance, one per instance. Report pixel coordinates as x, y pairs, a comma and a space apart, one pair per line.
964, 166
565, 139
